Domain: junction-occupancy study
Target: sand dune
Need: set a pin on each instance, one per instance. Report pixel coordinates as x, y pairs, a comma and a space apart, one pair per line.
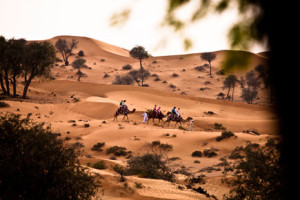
83, 112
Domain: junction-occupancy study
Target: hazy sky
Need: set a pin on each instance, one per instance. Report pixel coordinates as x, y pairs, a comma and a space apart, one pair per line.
43, 19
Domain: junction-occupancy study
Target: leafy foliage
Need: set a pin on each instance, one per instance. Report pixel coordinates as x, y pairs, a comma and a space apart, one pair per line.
259, 174
35, 164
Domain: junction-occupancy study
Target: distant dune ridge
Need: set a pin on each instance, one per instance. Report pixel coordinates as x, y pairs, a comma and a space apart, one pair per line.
69, 105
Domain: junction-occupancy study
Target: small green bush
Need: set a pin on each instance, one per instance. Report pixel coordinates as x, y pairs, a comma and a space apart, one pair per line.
3, 104
224, 135
197, 154
98, 146
99, 165
117, 151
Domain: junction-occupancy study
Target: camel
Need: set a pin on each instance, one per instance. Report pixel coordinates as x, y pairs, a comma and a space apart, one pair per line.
125, 111
176, 119
152, 115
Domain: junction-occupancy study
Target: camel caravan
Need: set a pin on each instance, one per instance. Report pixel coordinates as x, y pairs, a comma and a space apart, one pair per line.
154, 113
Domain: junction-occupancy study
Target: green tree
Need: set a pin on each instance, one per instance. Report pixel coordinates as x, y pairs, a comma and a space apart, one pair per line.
39, 58
78, 64
230, 82
258, 173
14, 61
140, 53
209, 57
3, 45
66, 48
35, 164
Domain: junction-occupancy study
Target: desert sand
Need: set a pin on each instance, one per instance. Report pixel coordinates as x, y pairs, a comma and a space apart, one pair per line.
83, 112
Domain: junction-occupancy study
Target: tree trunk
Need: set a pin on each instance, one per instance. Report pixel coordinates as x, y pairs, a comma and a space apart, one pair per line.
141, 63
14, 86
26, 87
2, 84
232, 93
228, 92
7, 83
209, 68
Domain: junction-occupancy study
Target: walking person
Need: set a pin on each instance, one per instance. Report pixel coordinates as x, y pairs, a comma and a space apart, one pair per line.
145, 116
191, 124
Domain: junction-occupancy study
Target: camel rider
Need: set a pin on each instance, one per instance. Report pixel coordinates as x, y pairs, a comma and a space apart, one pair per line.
158, 111
178, 112
124, 105
173, 111
154, 110
121, 103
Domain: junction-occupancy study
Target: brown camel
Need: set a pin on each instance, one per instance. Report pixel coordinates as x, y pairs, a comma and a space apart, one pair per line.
152, 115
179, 119
123, 110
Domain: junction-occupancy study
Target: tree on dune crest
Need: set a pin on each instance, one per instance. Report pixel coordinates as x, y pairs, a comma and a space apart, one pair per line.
139, 52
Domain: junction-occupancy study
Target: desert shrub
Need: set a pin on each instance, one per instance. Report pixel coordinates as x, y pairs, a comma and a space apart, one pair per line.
3, 104
199, 68
157, 79
219, 126
221, 95
123, 80
175, 75
161, 146
197, 154
150, 166
81, 53
210, 152
99, 165
106, 75
98, 146
221, 72
35, 164
117, 151
172, 86
127, 67
224, 135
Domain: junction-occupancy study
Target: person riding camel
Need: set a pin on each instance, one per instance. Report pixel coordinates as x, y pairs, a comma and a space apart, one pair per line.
158, 112
173, 112
178, 112
154, 110
124, 105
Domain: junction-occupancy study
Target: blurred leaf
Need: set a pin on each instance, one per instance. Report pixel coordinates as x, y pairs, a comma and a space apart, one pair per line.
221, 6
120, 18
202, 10
188, 44
236, 60
174, 4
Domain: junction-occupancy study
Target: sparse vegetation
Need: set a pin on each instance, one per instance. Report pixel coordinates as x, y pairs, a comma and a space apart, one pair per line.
123, 80
99, 165
4, 104
66, 48
127, 67
117, 151
208, 57
224, 135
98, 146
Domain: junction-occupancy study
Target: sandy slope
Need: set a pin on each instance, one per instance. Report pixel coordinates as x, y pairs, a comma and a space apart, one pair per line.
83, 112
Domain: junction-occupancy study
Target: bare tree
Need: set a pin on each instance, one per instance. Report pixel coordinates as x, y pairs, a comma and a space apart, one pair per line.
66, 48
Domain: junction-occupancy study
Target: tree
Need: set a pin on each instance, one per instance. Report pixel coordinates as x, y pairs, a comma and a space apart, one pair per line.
39, 58
230, 82
258, 172
14, 61
140, 75
208, 57
78, 64
3, 45
66, 48
249, 94
35, 164
140, 53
